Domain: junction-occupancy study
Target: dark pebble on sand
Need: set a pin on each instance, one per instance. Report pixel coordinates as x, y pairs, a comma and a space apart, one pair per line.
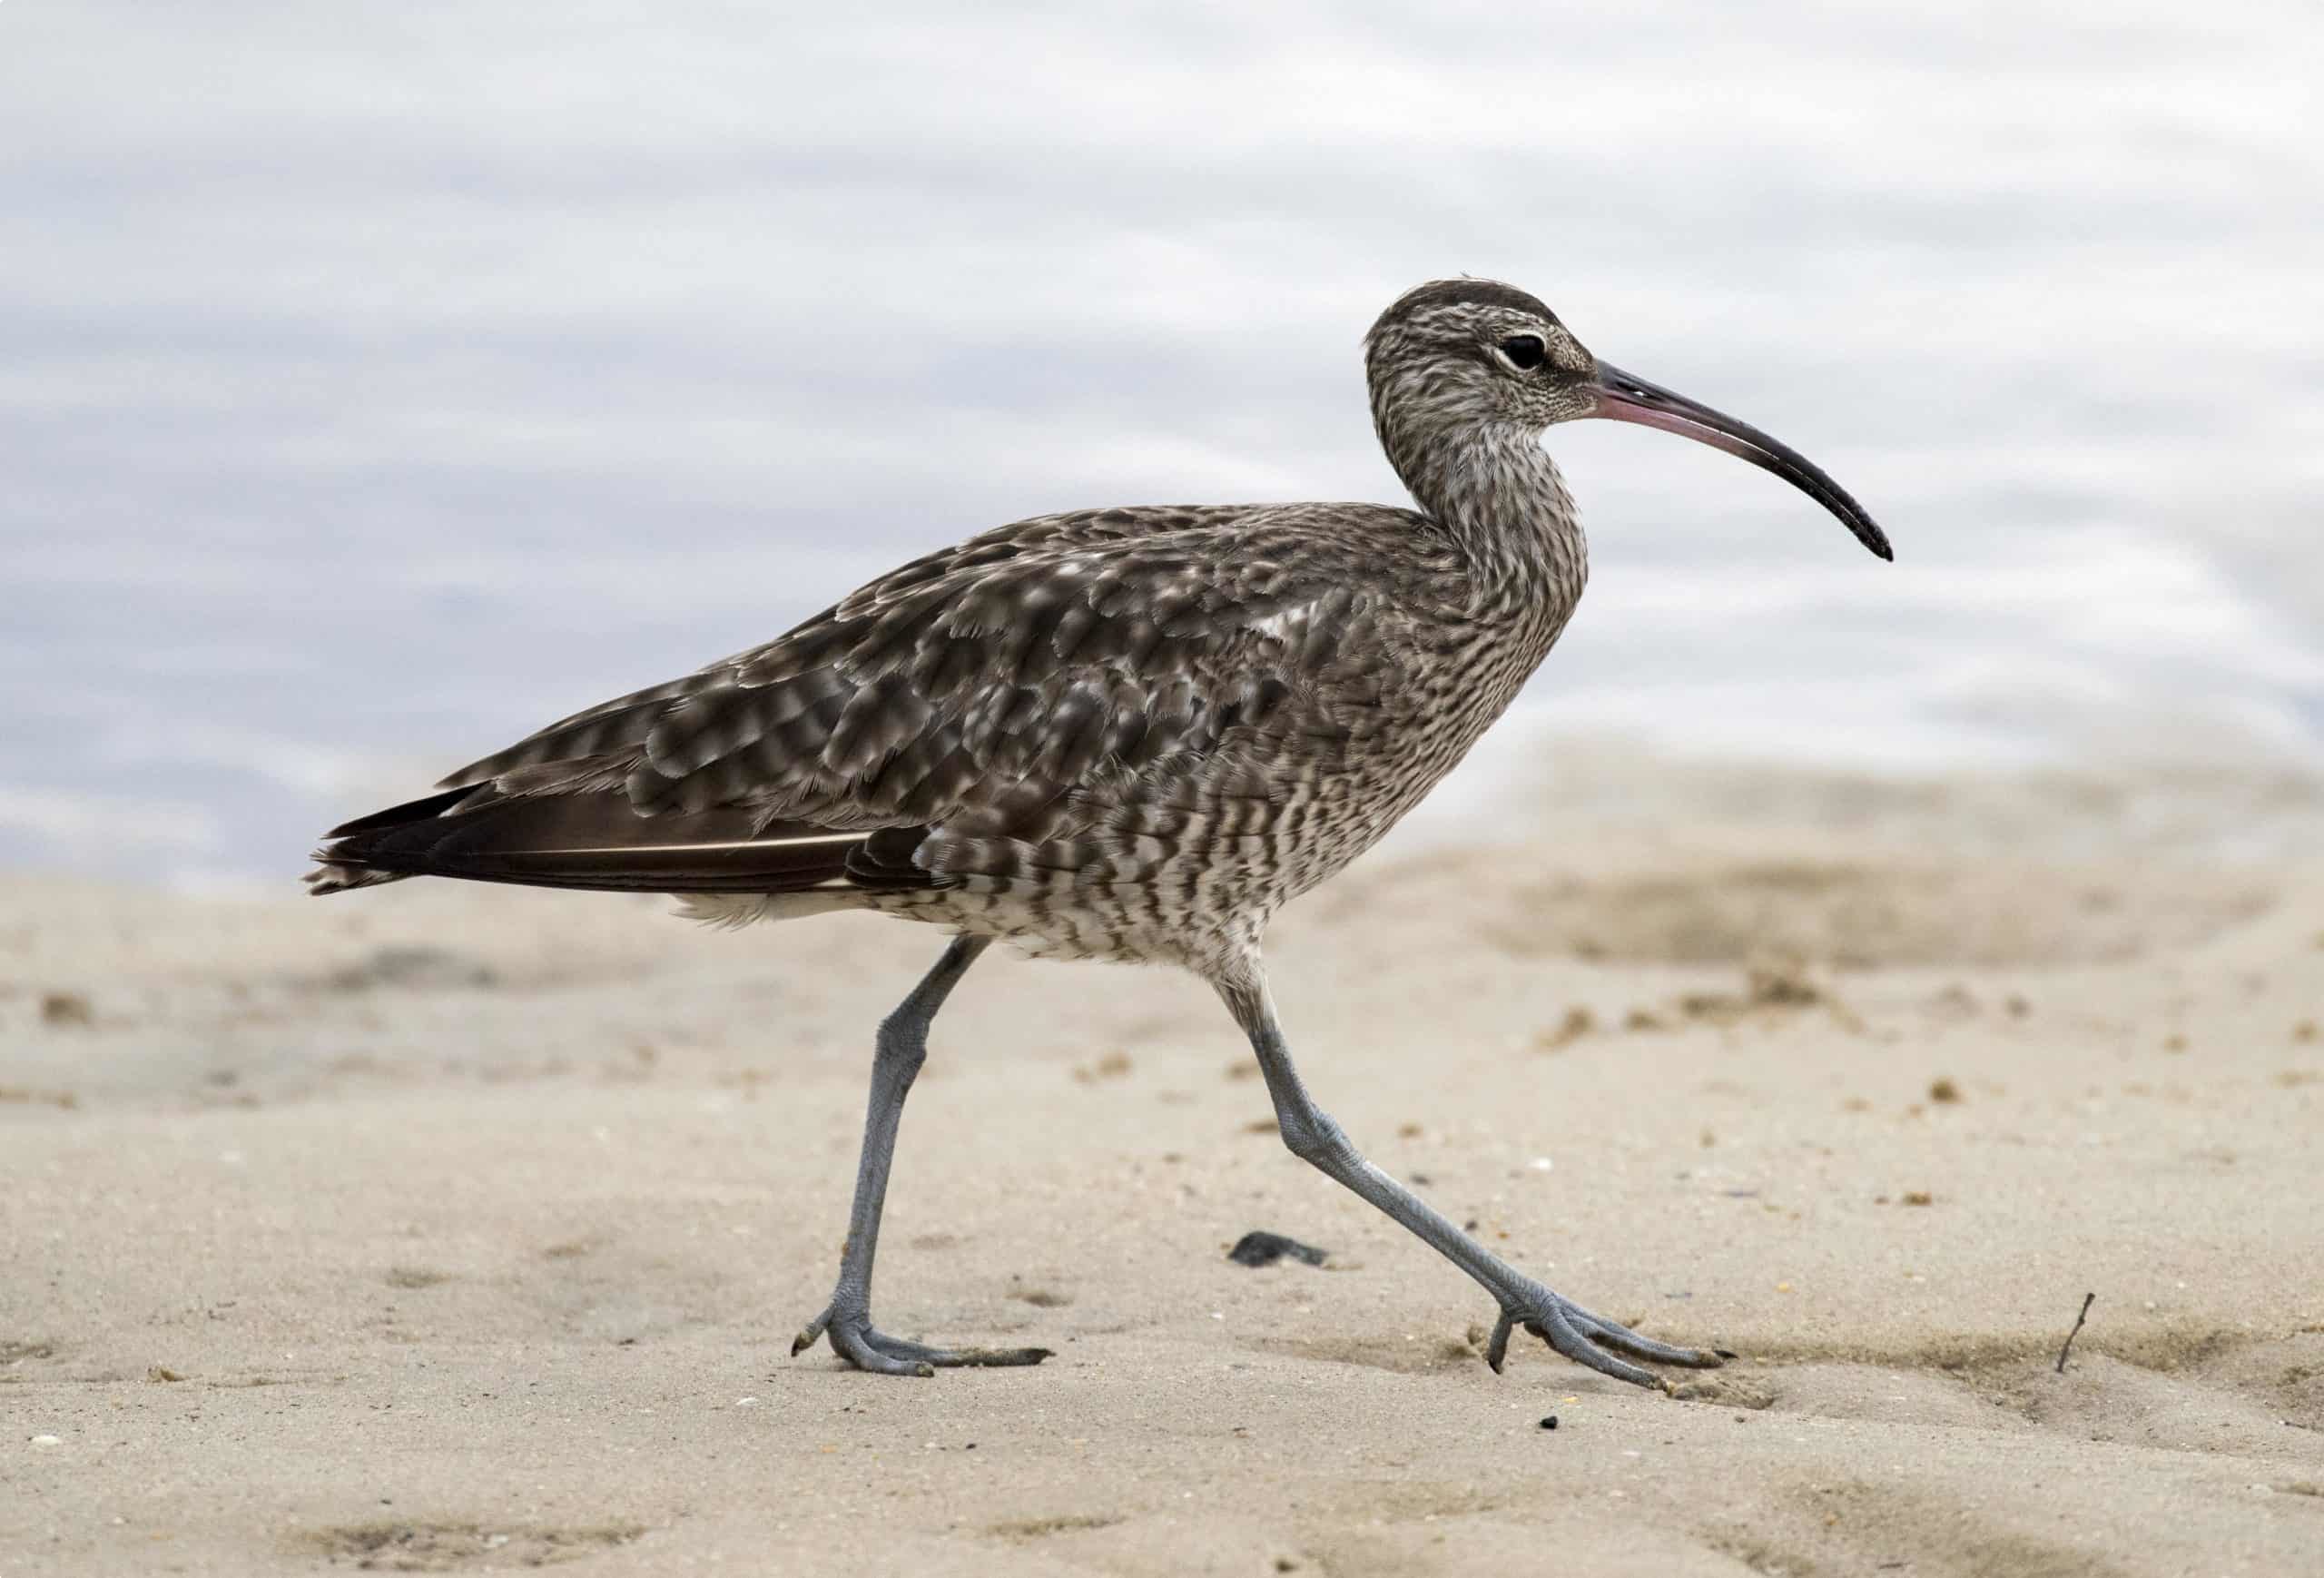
1266, 1248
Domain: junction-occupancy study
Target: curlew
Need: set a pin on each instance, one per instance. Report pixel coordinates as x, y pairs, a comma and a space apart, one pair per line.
1127, 735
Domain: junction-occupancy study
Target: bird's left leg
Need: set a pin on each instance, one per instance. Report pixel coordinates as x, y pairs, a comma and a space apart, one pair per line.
1317, 1138
902, 1048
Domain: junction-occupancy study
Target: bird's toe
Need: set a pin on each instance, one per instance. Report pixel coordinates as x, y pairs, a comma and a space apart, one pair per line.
854, 1338
1591, 1340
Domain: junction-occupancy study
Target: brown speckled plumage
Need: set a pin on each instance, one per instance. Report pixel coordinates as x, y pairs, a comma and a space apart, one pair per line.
1118, 734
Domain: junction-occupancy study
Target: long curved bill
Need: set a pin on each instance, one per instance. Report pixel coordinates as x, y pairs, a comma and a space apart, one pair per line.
1624, 397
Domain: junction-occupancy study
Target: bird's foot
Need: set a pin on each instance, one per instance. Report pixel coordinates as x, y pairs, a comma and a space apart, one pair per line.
855, 1339
1590, 1339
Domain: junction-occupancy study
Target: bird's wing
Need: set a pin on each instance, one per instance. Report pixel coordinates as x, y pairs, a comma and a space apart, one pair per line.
992, 688
1014, 668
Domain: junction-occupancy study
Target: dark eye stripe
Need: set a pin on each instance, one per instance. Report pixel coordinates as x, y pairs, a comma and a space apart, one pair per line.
1526, 350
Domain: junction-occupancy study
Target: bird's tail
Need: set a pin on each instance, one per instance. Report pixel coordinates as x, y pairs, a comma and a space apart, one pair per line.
593, 840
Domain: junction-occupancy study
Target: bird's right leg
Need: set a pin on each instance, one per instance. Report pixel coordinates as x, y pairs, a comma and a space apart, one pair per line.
1317, 1138
902, 1048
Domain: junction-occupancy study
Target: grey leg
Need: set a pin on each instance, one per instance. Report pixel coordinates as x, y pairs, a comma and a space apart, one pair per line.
1314, 1138
903, 1048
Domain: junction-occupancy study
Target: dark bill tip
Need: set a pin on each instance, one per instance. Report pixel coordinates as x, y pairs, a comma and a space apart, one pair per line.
1624, 397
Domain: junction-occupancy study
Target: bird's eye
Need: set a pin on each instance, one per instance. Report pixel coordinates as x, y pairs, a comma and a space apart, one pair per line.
1526, 351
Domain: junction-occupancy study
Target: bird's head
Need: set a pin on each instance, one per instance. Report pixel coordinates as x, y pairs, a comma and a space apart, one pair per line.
1463, 354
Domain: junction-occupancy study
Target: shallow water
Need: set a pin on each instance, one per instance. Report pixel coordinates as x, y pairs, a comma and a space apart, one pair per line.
377, 387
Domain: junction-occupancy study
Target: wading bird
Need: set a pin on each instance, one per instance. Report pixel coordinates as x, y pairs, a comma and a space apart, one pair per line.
1125, 734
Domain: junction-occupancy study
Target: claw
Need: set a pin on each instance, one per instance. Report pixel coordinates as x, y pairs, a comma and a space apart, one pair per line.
808, 1334
1498, 1349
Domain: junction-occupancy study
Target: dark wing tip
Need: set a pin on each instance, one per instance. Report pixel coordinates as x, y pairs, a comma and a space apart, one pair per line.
418, 810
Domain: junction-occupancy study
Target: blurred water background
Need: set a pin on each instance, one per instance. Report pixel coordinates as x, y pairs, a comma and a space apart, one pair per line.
377, 384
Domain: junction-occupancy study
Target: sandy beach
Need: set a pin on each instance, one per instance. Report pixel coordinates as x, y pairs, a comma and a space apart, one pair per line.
448, 1229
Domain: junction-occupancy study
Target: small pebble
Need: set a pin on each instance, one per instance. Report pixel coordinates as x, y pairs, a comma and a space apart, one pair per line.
1262, 1248
1548, 1422
65, 1008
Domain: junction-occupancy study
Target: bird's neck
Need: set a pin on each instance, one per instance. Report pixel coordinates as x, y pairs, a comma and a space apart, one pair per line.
1497, 495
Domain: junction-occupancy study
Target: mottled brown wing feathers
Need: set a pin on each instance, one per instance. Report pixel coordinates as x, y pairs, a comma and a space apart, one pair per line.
990, 686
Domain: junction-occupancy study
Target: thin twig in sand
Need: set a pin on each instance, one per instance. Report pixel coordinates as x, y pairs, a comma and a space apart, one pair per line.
2087, 1300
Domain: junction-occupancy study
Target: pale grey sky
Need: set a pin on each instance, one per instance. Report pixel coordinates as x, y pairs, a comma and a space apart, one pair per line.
378, 381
